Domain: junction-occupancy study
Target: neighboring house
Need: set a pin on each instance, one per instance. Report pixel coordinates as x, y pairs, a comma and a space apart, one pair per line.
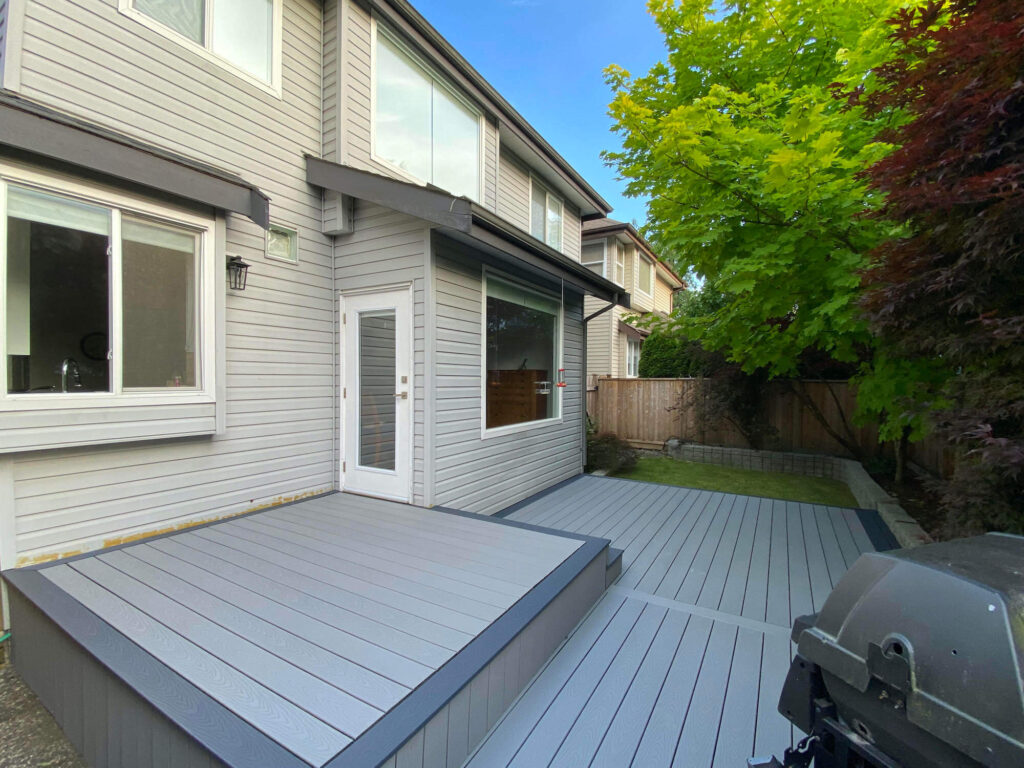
616, 251
412, 323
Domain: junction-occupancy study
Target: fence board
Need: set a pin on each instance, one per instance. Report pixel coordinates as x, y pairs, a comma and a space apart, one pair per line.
647, 412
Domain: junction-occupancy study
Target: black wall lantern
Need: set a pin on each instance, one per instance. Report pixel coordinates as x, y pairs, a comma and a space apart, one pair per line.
238, 272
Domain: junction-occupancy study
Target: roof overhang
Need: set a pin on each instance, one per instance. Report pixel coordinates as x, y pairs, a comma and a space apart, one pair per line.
521, 137
31, 130
465, 221
594, 230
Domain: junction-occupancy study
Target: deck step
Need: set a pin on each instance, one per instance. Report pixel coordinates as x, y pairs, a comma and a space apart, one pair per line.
614, 568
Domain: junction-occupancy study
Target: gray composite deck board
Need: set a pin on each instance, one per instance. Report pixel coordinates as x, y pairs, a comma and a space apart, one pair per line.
683, 660
314, 622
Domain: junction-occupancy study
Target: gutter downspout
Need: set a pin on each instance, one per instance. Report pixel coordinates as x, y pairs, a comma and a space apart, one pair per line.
614, 302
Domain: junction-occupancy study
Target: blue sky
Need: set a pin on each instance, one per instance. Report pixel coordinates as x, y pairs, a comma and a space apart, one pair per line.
546, 57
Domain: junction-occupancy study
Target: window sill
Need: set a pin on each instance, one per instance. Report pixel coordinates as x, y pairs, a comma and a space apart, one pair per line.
82, 420
511, 429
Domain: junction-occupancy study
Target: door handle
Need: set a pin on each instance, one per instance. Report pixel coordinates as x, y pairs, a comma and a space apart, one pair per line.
403, 395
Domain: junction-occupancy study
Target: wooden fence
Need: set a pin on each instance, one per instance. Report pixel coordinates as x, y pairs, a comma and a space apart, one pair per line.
647, 412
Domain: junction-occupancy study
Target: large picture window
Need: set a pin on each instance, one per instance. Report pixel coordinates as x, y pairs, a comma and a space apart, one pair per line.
421, 126
238, 31
522, 351
98, 299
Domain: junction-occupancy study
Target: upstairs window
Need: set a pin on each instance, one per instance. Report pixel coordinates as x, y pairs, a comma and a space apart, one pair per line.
645, 276
545, 215
420, 126
592, 257
238, 31
620, 265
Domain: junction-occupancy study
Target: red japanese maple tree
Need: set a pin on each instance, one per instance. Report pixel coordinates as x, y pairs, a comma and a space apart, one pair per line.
953, 288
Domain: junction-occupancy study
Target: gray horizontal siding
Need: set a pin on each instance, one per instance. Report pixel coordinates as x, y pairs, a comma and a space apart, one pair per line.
388, 248
513, 190
486, 475
87, 58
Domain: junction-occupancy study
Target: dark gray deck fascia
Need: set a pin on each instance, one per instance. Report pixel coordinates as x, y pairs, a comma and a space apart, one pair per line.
220, 731
882, 538
536, 497
387, 735
34, 130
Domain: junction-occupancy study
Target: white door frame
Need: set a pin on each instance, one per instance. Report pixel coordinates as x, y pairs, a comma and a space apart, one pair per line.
403, 489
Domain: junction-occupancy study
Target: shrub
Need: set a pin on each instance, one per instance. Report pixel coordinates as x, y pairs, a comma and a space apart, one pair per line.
606, 451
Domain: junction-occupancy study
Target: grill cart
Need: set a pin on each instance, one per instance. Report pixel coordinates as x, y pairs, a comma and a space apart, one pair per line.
914, 660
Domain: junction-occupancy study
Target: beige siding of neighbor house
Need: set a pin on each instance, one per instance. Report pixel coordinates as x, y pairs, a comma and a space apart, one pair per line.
90, 60
486, 474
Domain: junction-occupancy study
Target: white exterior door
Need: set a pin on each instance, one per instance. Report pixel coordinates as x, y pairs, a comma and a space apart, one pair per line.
377, 394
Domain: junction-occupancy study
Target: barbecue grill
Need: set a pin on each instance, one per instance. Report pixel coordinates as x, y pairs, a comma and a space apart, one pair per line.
914, 660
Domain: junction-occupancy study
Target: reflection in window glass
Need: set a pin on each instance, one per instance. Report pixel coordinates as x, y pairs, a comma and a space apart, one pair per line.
554, 223
159, 304
522, 355
538, 203
456, 132
58, 320
633, 357
421, 127
620, 264
545, 216
186, 17
243, 33
402, 118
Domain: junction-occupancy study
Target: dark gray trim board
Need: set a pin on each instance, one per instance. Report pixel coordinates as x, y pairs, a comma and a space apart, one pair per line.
536, 497
217, 729
390, 732
35, 130
875, 527
462, 220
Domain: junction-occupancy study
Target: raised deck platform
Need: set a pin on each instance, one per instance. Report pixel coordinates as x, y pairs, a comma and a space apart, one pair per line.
338, 631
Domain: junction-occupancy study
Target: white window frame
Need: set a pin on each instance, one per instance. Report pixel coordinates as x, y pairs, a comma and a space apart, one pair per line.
273, 87
604, 256
376, 30
510, 429
620, 264
120, 204
633, 363
548, 196
293, 232
649, 291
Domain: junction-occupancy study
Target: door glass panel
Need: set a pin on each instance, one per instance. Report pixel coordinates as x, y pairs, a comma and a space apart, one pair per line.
377, 401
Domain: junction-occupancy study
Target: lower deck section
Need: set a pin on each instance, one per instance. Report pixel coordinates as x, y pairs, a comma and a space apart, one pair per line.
336, 631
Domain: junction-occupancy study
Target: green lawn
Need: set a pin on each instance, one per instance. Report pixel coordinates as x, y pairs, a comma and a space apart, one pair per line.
711, 477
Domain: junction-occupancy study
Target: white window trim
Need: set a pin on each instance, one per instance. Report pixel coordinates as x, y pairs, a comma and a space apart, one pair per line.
274, 87
649, 293
294, 232
121, 203
604, 256
377, 29
630, 343
547, 195
620, 261
525, 426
